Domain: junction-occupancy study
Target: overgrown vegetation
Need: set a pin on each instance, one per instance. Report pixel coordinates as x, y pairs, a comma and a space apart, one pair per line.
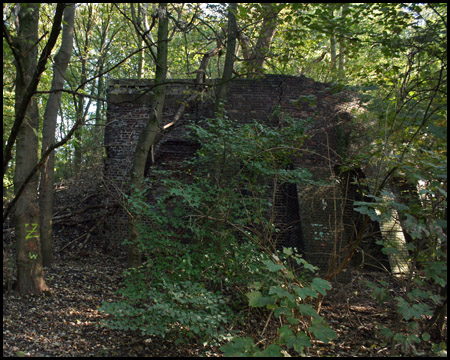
288, 296
409, 150
210, 239
211, 234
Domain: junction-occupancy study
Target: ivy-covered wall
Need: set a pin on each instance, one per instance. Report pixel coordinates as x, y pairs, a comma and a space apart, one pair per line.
312, 214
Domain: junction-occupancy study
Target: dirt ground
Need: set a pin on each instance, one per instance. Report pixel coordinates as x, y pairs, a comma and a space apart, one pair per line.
67, 323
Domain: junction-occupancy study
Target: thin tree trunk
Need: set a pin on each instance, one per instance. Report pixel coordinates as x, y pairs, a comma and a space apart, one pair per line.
341, 59
137, 21
34, 82
149, 133
30, 275
269, 26
48, 135
341, 68
81, 109
229, 58
99, 112
99, 121
333, 44
80, 115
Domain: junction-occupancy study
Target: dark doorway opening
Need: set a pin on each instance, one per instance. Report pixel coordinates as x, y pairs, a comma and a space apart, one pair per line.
290, 222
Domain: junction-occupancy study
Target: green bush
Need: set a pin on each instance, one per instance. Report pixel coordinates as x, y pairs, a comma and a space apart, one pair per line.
180, 310
424, 283
288, 297
206, 231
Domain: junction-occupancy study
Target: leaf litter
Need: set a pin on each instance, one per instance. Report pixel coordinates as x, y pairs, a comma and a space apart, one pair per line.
67, 323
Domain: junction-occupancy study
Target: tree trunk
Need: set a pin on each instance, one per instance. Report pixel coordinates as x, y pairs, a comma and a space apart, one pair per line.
48, 135
333, 43
269, 26
149, 133
341, 68
82, 110
80, 115
34, 82
229, 58
140, 40
99, 111
100, 108
30, 275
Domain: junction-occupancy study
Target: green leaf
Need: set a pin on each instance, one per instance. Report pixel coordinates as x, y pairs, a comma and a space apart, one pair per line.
289, 275
303, 293
417, 294
438, 131
399, 338
301, 341
272, 350
413, 339
257, 300
385, 332
409, 311
239, 347
306, 264
380, 294
321, 331
281, 311
320, 285
285, 331
272, 267
298, 342
289, 341
307, 310
390, 250
366, 209
257, 285
279, 291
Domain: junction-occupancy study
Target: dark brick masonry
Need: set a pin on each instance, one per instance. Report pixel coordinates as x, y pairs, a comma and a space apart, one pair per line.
311, 214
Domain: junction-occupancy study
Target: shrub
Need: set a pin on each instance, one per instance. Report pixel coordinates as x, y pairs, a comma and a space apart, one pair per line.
288, 297
423, 294
183, 311
206, 230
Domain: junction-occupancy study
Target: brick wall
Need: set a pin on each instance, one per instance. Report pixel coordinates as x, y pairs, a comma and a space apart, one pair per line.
312, 213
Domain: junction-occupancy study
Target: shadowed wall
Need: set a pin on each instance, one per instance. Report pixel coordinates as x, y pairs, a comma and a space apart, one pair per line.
310, 216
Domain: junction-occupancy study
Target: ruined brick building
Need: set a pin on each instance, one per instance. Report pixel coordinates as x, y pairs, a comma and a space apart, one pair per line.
316, 216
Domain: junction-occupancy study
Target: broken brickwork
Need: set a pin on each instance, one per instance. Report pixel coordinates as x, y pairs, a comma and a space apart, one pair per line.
312, 214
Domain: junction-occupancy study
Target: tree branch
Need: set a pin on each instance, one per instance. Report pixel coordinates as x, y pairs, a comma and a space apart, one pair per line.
31, 89
37, 167
13, 48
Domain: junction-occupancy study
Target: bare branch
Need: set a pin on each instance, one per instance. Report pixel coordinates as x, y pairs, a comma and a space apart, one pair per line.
38, 166
13, 48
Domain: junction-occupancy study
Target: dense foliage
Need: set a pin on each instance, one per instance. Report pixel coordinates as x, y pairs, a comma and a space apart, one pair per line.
210, 232
384, 43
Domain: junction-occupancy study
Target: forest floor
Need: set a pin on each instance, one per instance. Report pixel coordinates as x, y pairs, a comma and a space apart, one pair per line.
67, 322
